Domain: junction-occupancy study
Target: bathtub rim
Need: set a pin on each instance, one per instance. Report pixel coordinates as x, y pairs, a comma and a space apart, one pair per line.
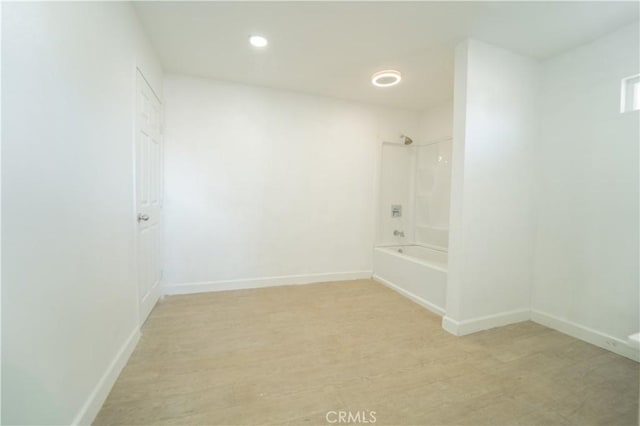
387, 249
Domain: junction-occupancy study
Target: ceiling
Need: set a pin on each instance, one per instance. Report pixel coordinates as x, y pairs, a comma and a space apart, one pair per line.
332, 48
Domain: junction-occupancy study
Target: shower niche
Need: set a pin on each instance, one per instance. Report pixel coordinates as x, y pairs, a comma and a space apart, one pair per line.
414, 194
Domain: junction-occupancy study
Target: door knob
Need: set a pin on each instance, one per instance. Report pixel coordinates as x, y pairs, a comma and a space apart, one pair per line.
144, 217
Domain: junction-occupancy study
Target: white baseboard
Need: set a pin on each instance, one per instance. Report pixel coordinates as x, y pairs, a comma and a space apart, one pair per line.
461, 328
207, 286
613, 344
589, 335
94, 402
419, 300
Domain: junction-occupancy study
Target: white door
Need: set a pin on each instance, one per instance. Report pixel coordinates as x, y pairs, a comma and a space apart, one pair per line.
148, 140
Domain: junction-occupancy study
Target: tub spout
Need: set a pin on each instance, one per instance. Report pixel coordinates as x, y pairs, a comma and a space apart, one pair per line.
397, 233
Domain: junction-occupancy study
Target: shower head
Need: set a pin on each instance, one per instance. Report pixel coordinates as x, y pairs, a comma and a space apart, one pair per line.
406, 140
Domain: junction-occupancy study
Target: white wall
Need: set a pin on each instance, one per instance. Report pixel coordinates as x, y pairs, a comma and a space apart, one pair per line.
436, 123
586, 262
491, 225
68, 285
266, 183
544, 209
0, 211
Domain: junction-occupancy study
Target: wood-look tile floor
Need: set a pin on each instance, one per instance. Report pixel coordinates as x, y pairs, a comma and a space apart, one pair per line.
289, 355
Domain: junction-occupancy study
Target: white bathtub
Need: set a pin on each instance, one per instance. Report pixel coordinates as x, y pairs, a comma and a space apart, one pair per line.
417, 272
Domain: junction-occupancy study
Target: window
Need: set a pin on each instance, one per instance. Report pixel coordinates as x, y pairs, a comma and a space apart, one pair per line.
630, 94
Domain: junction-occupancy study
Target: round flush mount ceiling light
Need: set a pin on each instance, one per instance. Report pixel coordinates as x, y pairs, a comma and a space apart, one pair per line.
386, 78
258, 41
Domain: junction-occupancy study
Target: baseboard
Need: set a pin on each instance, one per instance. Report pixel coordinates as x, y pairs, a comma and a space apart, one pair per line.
461, 328
589, 335
202, 287
94, 402
419, 300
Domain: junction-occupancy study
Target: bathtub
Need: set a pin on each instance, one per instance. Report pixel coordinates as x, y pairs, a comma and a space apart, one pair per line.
417, 272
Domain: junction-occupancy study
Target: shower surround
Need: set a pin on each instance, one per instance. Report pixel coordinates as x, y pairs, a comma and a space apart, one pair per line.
413, 221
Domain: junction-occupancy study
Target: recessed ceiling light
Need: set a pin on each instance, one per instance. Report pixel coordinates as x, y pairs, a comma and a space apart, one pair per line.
386, 78
258, 41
